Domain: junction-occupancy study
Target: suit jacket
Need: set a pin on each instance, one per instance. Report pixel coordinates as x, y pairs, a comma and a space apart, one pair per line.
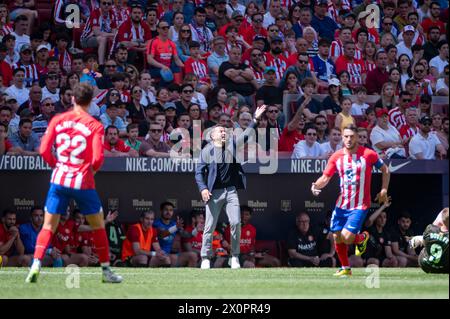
206, 168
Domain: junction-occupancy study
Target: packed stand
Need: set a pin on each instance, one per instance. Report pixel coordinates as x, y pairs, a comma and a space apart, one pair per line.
159, 66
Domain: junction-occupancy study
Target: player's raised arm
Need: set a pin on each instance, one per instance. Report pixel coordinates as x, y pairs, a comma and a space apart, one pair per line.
47, 143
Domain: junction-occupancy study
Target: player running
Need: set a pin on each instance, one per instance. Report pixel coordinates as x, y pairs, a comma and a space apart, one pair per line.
78, 140
434, 256
354, 165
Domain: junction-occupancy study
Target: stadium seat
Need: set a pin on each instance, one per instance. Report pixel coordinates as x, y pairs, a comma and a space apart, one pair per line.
268, 246
282, 253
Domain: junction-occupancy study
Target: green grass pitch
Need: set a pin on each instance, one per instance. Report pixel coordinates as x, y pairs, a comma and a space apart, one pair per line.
182, 283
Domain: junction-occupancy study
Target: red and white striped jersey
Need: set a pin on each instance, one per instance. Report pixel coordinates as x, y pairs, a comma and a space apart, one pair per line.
397, 118
355, 68
106, 21
337, 49
280, 64
333, 11
259, 74
121, 15
31, 72
358, 53
6, 29
407, 131
369, 66
355, 173
199, 68
284, 4
78, 140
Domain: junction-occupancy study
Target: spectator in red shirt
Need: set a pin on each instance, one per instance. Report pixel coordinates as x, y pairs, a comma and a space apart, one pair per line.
195, 64
249, 257
114, 146
353, 66
5, 145
255, 29
134, 33
433, 19
377, 77
162, 54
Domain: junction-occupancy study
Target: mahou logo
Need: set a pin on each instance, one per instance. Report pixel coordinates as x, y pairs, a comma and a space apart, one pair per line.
142, 204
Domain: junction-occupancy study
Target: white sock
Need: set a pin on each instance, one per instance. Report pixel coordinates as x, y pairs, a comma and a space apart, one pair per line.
36, 263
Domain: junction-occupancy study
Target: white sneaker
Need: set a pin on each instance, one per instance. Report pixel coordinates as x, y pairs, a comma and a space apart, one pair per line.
205, 264
234, 263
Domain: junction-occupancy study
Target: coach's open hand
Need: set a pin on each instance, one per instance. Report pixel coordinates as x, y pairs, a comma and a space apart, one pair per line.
206, 195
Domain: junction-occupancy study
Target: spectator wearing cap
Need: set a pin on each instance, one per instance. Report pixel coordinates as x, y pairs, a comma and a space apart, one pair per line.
26, 63
41, 59
216, 58
51, 87
323, 24
256, 28
324, 68
308, 148
425, 144
236, 76
271, 15
423, 84
269, 93
24, 140
5, 68
378, 76
413, 20
385, 138
237, 19
40, 122
333, 99
434, 19
275, 57
439, 62
34, 102
110, 117
18, 89
162, 56
114, 146
405, 47
153, 146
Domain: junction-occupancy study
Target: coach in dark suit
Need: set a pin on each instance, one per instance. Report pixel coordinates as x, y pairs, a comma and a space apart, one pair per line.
219, 175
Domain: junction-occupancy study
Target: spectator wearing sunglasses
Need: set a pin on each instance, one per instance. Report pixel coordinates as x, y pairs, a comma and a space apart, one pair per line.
40, 122
425, 145
397, 115
308, 148
256, 28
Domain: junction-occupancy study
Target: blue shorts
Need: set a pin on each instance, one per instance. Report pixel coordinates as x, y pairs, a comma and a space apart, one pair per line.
58, 199
351, 220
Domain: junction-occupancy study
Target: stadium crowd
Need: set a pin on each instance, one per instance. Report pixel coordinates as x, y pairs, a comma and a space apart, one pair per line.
164, 240
158, 66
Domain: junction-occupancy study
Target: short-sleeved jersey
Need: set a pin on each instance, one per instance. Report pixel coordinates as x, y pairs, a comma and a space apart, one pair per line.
355, 68
116, 236
106, 21
166, 242
280, 64
305, 244
4, 237
78, 139
355, 173
248, 238
377, 243
162, 51
65, 235
434, 256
